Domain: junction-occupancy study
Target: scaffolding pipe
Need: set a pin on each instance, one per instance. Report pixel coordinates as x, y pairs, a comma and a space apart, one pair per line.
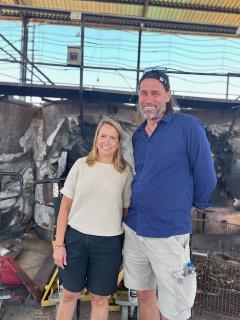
139, 53
28, 61
81, 74
24, 48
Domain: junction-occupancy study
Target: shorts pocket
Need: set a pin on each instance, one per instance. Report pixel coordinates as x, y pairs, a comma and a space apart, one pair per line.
186, 288
183, 240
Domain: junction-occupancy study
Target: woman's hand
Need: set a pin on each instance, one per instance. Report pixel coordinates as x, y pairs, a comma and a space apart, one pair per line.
59, 252
60, 256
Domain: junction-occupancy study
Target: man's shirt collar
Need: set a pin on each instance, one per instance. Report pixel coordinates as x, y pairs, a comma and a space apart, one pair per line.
167, 117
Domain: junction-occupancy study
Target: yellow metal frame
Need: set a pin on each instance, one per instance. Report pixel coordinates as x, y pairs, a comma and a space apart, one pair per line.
52, 287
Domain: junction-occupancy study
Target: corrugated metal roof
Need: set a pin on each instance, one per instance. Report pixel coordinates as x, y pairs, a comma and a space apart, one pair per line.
99, 7
207, 12
192, 16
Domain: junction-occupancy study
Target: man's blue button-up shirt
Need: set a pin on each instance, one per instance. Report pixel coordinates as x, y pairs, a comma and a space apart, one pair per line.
174, 171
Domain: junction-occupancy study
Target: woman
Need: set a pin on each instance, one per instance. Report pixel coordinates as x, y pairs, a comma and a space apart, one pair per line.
88, 246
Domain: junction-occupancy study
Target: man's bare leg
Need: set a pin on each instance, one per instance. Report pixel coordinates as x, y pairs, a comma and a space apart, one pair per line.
147, 301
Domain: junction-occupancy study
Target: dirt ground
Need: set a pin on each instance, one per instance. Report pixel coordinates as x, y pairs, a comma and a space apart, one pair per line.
28, 312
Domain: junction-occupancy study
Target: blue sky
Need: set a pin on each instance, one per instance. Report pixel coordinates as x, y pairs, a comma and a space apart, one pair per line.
118, 49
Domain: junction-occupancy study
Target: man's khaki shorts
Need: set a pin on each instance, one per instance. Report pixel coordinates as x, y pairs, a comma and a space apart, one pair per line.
151, 263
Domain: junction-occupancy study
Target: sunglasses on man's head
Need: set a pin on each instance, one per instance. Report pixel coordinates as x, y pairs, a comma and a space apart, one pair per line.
157, 68
159, 73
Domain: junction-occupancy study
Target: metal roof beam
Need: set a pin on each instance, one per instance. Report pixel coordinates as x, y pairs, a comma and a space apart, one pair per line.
114, 21
158, 24
116, 97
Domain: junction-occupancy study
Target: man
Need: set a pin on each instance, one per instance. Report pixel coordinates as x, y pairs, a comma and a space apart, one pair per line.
174, 172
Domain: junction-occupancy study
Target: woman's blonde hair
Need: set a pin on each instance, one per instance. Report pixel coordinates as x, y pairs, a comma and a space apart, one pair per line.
119, 162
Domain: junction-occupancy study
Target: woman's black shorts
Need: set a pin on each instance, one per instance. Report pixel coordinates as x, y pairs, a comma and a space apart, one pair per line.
92, 262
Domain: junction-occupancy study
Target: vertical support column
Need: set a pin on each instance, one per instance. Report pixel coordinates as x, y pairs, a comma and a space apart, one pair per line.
81, 72
24, 47
227, 92
139, 52
33, 48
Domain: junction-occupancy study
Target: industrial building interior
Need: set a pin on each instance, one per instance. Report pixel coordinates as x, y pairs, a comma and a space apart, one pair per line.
66, 64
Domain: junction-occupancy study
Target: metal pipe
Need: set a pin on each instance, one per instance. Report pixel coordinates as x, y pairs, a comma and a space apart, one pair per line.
81, 74
227, 86
139, 53
33, 50
24, 47
230, 74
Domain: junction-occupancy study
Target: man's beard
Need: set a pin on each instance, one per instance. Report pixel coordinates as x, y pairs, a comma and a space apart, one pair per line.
159, 110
